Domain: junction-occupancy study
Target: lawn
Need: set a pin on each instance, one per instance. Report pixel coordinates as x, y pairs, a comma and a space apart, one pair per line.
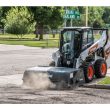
51, 43
27, 36
105, 80
29, 40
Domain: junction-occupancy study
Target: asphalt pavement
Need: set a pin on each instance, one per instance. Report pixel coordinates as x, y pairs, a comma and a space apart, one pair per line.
14, 59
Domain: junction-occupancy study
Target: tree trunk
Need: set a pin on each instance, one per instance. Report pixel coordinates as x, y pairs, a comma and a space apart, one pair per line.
53, 35
41, 37
36, 35
3, 29
36, 31
39, 31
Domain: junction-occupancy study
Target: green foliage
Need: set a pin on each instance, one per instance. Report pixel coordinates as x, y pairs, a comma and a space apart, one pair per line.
0, 16
56, 18
41, 14
46, 16
18, 21
3, 12
21, 20
95, 15
97, 24
106, 15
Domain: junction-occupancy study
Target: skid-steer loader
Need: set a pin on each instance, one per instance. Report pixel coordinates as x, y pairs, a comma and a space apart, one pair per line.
83, 54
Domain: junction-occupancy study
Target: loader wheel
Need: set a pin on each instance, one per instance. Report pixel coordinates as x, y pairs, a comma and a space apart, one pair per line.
100, 68
88, 72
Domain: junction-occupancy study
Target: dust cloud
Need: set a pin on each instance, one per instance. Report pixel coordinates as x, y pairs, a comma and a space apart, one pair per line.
37, 81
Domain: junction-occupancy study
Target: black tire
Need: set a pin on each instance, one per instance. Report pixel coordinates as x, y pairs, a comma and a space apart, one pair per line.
52, 63
88, 72
100, 68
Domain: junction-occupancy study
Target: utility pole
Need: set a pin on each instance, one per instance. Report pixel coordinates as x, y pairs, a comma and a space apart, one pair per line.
65, 8
86, 16
71, 22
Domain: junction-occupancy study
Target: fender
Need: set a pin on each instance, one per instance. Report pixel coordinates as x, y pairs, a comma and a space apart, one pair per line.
107, 53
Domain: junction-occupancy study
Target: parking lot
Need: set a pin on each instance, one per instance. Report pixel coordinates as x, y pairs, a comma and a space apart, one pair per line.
14, 59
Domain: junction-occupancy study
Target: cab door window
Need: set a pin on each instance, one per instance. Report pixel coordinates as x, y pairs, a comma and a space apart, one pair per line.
87, 38
90, 36
84, 42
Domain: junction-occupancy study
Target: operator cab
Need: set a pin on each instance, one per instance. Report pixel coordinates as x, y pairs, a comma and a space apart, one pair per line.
73, 41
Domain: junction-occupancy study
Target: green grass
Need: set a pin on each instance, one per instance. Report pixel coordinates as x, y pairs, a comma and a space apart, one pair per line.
51, 43
15, 36
105, 80
26, 36
29, 40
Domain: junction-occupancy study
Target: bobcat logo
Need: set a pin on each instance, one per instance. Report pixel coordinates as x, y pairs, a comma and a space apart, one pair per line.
93, 49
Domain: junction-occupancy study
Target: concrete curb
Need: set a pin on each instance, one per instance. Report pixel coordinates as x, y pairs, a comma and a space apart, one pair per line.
97, 86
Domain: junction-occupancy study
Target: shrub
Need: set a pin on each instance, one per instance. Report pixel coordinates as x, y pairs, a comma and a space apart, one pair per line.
18, 21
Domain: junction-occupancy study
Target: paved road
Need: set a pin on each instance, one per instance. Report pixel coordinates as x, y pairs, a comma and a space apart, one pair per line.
15, 59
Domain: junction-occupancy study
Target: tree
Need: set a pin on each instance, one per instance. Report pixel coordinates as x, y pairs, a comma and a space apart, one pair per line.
97, 24
95, 16
41, 17
46, 16
0, 17
3, 12
18, 21
56, 18
106, 15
